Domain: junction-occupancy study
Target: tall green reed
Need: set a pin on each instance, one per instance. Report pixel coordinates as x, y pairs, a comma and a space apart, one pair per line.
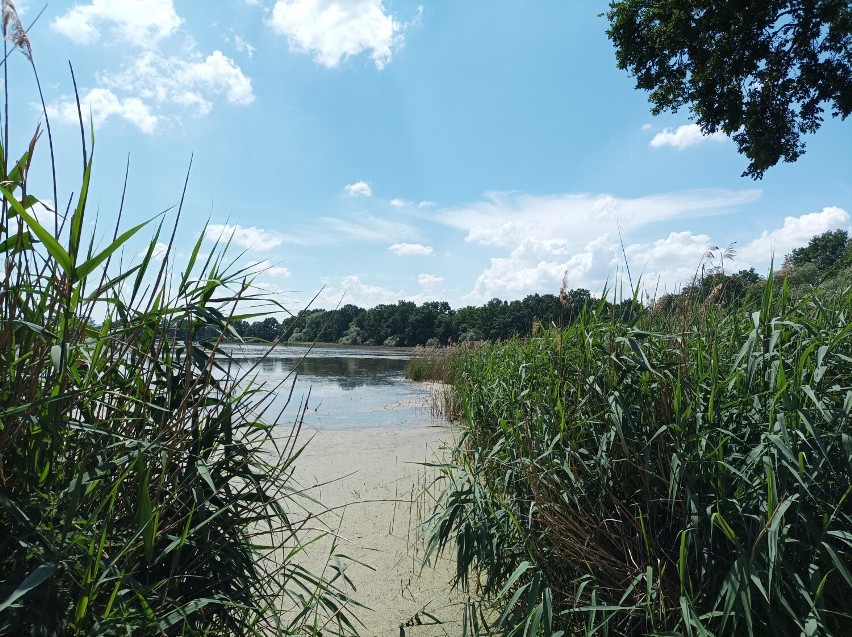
681, 473
144, 488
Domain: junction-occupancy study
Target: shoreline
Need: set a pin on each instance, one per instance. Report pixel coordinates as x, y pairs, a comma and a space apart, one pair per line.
372, 485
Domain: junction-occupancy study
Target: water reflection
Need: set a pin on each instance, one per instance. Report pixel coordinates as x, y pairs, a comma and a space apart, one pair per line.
343, 387
347, 371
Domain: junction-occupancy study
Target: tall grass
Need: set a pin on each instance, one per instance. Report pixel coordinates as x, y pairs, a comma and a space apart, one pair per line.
684, 473
430, 364
143, 490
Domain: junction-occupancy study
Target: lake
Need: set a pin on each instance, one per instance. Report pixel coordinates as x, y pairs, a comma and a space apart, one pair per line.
346, 387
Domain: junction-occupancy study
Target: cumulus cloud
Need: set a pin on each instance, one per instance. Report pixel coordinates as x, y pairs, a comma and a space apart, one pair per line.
333, 30
429, 280
190, 82
399, 203
266, 268
142, 92
536, 240
667, 264
405, 249
103, 104
795, 232
539, 238
540, 267
359, 189
44, 213
357, 292
251, 238
158, 253
142, 23
674, 260
684, 137
430, 288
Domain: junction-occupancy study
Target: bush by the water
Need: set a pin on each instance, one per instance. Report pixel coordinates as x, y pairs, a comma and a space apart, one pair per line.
682, 473
141, 490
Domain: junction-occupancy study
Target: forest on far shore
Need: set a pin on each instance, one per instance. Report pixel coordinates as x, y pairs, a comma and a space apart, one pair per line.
825, 262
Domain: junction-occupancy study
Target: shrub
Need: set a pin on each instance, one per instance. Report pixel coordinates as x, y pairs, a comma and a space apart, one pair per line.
684, 473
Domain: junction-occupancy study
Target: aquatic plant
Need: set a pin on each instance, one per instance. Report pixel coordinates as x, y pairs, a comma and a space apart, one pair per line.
143, 488
679, 473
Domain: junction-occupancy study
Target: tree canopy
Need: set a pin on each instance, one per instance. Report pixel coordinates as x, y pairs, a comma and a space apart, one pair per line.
824, 250
762, 72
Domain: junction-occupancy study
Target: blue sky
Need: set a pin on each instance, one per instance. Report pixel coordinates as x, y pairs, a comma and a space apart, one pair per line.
387, 150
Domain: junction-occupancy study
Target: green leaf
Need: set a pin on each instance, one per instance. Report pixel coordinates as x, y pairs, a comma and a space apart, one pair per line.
41, 574
77, 217
183, 613
146, 512
17, 243
50, 243
86, 268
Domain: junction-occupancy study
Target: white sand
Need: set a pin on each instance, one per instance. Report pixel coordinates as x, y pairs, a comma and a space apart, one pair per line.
375, 477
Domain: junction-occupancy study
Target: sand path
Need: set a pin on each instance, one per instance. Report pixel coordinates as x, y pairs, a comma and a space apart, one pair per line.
373, 478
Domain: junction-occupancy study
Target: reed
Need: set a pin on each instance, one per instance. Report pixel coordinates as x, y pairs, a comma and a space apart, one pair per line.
431, 364
143, 487
678, 473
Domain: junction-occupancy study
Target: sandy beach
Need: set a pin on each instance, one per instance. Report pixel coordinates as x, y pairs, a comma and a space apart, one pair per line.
372, 480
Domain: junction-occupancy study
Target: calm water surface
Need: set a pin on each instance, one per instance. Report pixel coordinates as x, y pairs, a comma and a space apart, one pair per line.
344, 387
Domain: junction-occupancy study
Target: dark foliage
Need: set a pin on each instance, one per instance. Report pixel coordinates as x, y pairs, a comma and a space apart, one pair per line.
762, 72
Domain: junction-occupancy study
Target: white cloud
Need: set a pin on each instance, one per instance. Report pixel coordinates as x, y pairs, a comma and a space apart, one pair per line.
102, 103
399, 203
430, 288
538, 238
158, 253
359, 189
363, 227
142, 23
646, 127
429, 280
268, 269
666, 265
142, 92
242, 45
355, 291
426, 204
684, 137
190, 82
43, 211
540, 267
251, 238
403, 249
506, 219
795, 232
675, 260
333, 30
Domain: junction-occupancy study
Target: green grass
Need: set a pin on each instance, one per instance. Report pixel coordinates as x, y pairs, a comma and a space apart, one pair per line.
143, 488
684, 473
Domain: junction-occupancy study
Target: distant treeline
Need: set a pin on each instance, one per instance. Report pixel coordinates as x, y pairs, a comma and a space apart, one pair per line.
433, 323
826, 260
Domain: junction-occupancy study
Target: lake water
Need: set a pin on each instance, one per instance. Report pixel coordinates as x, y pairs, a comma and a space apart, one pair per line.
344, 387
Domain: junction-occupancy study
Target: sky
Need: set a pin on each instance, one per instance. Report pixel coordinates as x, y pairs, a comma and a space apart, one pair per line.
374, 151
